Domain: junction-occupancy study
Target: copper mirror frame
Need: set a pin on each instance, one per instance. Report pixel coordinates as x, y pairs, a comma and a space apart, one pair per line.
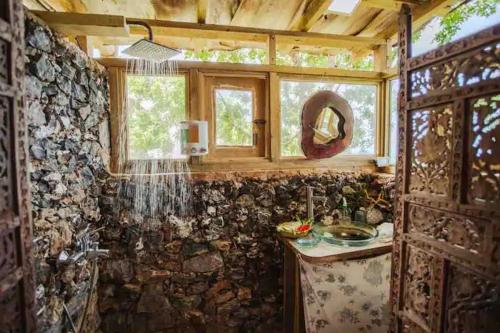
322, 139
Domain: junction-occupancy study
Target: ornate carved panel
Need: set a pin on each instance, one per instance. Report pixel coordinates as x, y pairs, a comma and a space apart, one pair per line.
16, 266
8, 252
431, 149
4, 61
4, 154
409, 327
10, 310
465, 69
472, 303
457, 230
446, 258
418, 281
484, 150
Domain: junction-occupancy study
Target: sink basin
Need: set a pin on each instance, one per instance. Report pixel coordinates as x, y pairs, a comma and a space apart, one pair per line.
346, 235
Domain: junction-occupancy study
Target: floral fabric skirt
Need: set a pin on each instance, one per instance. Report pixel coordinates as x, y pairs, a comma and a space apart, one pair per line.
347, 296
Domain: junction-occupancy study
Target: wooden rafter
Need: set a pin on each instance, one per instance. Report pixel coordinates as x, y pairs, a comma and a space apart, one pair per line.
349, 75
61, 5
107, 25
382, 20
85, 24
394, 5
294, 23
313, 12
202, 11
238, 18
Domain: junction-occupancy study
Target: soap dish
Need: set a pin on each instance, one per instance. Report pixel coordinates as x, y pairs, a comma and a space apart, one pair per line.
308, 241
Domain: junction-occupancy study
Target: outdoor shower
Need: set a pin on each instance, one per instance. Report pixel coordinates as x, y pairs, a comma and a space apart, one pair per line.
147, 49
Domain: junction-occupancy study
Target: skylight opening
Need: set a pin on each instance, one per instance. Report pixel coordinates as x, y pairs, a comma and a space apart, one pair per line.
343, 7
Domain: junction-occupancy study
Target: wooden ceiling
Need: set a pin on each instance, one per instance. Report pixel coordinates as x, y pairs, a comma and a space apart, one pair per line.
371, 18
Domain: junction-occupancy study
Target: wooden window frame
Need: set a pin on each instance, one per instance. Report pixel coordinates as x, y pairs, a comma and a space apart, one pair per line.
257, 84
118, 118
378, 117
196, 72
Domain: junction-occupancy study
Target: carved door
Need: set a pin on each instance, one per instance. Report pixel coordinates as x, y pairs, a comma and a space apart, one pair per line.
446, 263
16, 278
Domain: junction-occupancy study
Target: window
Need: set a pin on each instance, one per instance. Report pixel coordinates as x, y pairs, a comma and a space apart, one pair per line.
466, 18
156, 105
362, 99
236, 115
241, 56
341, 59
233, 117
393, 120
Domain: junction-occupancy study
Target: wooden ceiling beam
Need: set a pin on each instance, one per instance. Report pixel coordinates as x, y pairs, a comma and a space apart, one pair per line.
394, 5
212, 31
115, 26
202, 11
85, 24
238, 18
314, 10
297, 17
381, 21
217, 67
57, 5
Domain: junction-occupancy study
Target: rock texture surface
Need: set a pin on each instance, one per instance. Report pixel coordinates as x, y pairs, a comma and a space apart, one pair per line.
218, 269
67, 100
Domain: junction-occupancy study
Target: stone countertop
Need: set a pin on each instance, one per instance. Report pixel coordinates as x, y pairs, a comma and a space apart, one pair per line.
325, 252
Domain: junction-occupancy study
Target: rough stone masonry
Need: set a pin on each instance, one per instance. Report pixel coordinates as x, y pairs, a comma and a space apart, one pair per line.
218, 268
67, 103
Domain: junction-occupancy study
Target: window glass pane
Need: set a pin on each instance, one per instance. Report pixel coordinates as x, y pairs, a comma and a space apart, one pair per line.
340, 59
362, 99
393, 117
233, 117
238, 56
465, 19
156, 105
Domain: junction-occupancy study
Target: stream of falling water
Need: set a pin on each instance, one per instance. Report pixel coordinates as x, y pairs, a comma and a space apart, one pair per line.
151, 189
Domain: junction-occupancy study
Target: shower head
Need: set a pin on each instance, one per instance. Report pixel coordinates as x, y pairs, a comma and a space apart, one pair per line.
147, 49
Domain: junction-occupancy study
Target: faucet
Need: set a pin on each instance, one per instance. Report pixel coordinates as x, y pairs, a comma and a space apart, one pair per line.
310, 202
85, 247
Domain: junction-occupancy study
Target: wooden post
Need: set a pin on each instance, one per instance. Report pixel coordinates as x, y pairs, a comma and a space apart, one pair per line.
117, 85
382, 131
271, 50
85, 44
194, 105
404, 54
380, 58
275, 116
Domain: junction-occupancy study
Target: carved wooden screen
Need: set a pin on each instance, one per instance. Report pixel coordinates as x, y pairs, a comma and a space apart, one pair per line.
16, 284
446, 264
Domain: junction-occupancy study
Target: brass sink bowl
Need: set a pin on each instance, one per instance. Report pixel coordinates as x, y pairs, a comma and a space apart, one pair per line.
346, 235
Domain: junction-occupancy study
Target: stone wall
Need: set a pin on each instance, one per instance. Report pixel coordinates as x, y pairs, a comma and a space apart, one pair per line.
67, 100
218, 269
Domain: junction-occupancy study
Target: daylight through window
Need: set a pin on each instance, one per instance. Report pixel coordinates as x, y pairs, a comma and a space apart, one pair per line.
362, 99
233, 117
393, 120
156, 105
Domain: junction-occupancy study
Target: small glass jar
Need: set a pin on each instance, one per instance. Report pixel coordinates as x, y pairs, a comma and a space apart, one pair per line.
360, 216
